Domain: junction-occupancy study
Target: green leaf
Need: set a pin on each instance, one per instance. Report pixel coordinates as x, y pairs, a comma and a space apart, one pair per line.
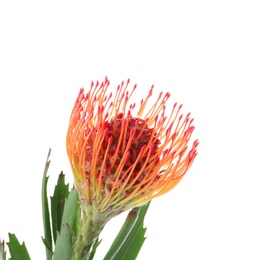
64, 248
17, 251
2, 250
45, 211
92, 253
123, 233
71, 209
77, 218
64, 243
61, 193
136, 245
130, 238
47, 246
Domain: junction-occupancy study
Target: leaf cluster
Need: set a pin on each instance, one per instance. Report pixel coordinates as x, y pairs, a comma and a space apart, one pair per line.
61, 218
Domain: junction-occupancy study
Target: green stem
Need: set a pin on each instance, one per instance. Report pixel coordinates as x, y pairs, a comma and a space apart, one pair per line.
91, 224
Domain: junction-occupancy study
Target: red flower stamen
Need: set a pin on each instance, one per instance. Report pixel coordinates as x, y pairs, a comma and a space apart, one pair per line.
123, 159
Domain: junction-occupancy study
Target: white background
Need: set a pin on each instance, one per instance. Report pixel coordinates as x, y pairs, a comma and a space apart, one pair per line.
215, 57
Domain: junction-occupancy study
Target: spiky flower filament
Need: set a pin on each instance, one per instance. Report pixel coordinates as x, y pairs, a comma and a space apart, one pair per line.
122, 158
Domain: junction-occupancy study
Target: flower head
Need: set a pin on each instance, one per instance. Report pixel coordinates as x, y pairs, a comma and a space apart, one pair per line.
123, 155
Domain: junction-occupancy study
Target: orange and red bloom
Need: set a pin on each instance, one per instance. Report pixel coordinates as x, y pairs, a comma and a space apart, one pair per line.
124, 154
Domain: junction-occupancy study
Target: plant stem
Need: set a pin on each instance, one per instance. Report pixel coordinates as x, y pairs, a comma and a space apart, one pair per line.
91, 224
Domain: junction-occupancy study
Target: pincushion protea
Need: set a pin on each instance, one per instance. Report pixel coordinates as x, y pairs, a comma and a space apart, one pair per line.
122, 156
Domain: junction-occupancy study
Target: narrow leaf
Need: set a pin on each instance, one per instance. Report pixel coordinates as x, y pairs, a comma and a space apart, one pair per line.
64, 248
17, 251
71, 208
136, 245
92, 253
2, 250
64, 243
77, 219
127, 234
61, 193
46, 245
45, 211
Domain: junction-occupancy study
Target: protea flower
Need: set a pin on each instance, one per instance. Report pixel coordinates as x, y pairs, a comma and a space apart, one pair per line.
123, 154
